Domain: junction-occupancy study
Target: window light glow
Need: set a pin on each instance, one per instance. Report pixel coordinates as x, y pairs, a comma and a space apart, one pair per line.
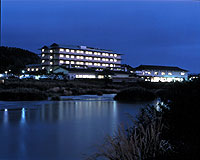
61, 50
51, 51
61, 55
163, 73
43, 61
182, 73
51, 57
61, 61
43, 55
72, 51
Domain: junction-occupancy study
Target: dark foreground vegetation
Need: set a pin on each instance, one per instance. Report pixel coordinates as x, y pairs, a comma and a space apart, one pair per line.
172, 132
12, 89
22, 94
15, 59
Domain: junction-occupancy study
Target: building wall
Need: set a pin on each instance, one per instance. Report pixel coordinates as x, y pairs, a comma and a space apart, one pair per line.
163, 75
61, 56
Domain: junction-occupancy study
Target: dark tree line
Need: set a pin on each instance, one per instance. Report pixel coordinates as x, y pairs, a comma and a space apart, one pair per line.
15, 59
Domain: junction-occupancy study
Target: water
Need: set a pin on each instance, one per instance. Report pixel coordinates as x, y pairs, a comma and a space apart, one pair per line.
59, 130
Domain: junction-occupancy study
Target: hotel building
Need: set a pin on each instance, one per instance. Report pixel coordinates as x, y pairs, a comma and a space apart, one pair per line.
79, 57
161, 73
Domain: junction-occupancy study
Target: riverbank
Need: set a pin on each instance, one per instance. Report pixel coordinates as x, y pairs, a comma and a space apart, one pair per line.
52, 89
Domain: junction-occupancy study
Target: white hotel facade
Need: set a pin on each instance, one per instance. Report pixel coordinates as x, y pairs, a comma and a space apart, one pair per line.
78, 57
161, 73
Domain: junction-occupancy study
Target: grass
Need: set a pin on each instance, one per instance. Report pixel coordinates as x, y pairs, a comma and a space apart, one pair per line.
143, 141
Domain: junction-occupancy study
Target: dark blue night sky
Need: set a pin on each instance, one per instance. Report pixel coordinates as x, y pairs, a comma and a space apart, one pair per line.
159, 33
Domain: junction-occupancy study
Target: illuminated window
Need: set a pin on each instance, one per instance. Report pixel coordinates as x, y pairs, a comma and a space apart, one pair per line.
61, 61
42, 50
163, 73
61, 50
43, 67
81, 51
111, 60
111, 65
156, 73
111, 55
95, 58
72, 56
115, 60
106, 54
51, 63
149, 72
51, 57
43, 55
67, 50
170, 73
28, 69
32, 69
72, 62
67, 62
43, 61
115, 55
77, 51
51, 51
51, 69
67, 56
37, 69
61, 55
72, 51
103, 54
182, 73
95, 53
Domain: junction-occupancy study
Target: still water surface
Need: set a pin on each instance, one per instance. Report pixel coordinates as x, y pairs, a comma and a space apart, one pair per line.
59, 129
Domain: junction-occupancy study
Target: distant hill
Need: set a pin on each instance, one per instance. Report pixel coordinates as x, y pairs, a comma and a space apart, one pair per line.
15, 59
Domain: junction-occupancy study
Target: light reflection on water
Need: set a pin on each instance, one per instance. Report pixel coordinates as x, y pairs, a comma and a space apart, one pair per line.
58, 130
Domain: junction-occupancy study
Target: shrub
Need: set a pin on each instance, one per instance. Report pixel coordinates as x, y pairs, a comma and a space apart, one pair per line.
135, 94
22, 94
